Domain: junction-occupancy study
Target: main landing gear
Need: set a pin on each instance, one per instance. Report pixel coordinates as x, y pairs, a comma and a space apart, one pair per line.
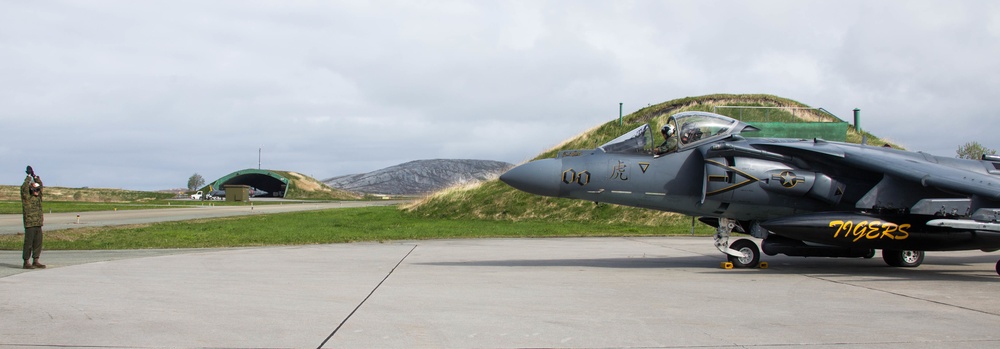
903, 258
909, 259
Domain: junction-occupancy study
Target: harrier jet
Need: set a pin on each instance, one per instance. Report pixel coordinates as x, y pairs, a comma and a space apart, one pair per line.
801, 197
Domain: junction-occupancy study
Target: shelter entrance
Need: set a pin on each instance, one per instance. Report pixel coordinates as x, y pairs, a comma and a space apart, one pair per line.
262, 182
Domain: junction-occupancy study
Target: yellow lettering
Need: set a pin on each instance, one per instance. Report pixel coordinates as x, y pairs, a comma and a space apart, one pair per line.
859, 230
873, 230
839, 224
889, 229
870, 230
903, 234
848, 226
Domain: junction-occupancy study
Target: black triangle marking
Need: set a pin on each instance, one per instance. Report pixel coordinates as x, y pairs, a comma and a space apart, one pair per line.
643, 166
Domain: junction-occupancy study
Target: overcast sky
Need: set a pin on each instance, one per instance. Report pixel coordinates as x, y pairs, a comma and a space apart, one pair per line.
143, 94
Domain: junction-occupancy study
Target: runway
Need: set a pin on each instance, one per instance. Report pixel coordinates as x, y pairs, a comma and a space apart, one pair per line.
495, 293
13, 223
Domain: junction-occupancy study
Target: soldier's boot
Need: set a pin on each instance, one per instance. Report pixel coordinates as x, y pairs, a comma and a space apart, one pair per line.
28, 265
38, 265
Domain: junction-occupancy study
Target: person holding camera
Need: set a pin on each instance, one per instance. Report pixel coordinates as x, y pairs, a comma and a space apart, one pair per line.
31, 206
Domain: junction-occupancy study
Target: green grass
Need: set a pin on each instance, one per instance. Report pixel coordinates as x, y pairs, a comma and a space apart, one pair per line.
327, 226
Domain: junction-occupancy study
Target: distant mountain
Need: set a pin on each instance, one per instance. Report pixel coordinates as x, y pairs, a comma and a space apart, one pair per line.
420, 176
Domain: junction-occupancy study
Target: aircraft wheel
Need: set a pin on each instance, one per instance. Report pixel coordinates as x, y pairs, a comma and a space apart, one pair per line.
903, 258
871, 254
998, 267
751, 254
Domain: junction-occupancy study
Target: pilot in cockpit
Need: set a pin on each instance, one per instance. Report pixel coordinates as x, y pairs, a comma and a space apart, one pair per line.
667, 131
691, 134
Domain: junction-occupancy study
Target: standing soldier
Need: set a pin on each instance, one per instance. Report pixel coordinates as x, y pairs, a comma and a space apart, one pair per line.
31, 205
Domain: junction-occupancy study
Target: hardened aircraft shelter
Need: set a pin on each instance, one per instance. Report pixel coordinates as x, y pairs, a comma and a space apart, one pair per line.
273, 182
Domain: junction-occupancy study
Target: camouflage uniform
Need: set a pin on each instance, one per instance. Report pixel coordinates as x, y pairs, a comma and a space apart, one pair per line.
667, 146
31, 205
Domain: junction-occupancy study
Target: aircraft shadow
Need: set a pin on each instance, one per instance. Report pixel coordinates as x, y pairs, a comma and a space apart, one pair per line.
951, 269
935, 268
616, 263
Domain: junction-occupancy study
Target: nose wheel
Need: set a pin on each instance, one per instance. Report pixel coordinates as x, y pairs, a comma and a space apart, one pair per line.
743, 253
751, 254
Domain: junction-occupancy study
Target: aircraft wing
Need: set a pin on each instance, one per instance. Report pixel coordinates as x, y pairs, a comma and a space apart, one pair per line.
917, 167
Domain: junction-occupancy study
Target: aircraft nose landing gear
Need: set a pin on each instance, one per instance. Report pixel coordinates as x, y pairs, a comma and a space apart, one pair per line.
743, 253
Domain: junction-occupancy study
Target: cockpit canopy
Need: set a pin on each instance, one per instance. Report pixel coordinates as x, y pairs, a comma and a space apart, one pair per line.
691, 128
639, 140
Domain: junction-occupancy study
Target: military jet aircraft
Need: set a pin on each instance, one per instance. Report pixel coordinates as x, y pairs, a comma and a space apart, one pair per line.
802, 197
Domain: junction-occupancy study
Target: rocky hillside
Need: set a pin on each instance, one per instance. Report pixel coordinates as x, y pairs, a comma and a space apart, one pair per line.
420, 176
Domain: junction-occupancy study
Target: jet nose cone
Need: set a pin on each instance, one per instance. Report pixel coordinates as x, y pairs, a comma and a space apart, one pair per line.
539, 177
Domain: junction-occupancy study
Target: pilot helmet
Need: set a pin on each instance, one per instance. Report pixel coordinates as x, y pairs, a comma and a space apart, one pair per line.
690, 134
667, 130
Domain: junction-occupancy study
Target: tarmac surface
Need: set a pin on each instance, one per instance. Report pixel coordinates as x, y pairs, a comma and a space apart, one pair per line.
666, 292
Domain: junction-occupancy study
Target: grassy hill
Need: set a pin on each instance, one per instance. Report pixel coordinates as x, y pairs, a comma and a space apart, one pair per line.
494, 200
301, 186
